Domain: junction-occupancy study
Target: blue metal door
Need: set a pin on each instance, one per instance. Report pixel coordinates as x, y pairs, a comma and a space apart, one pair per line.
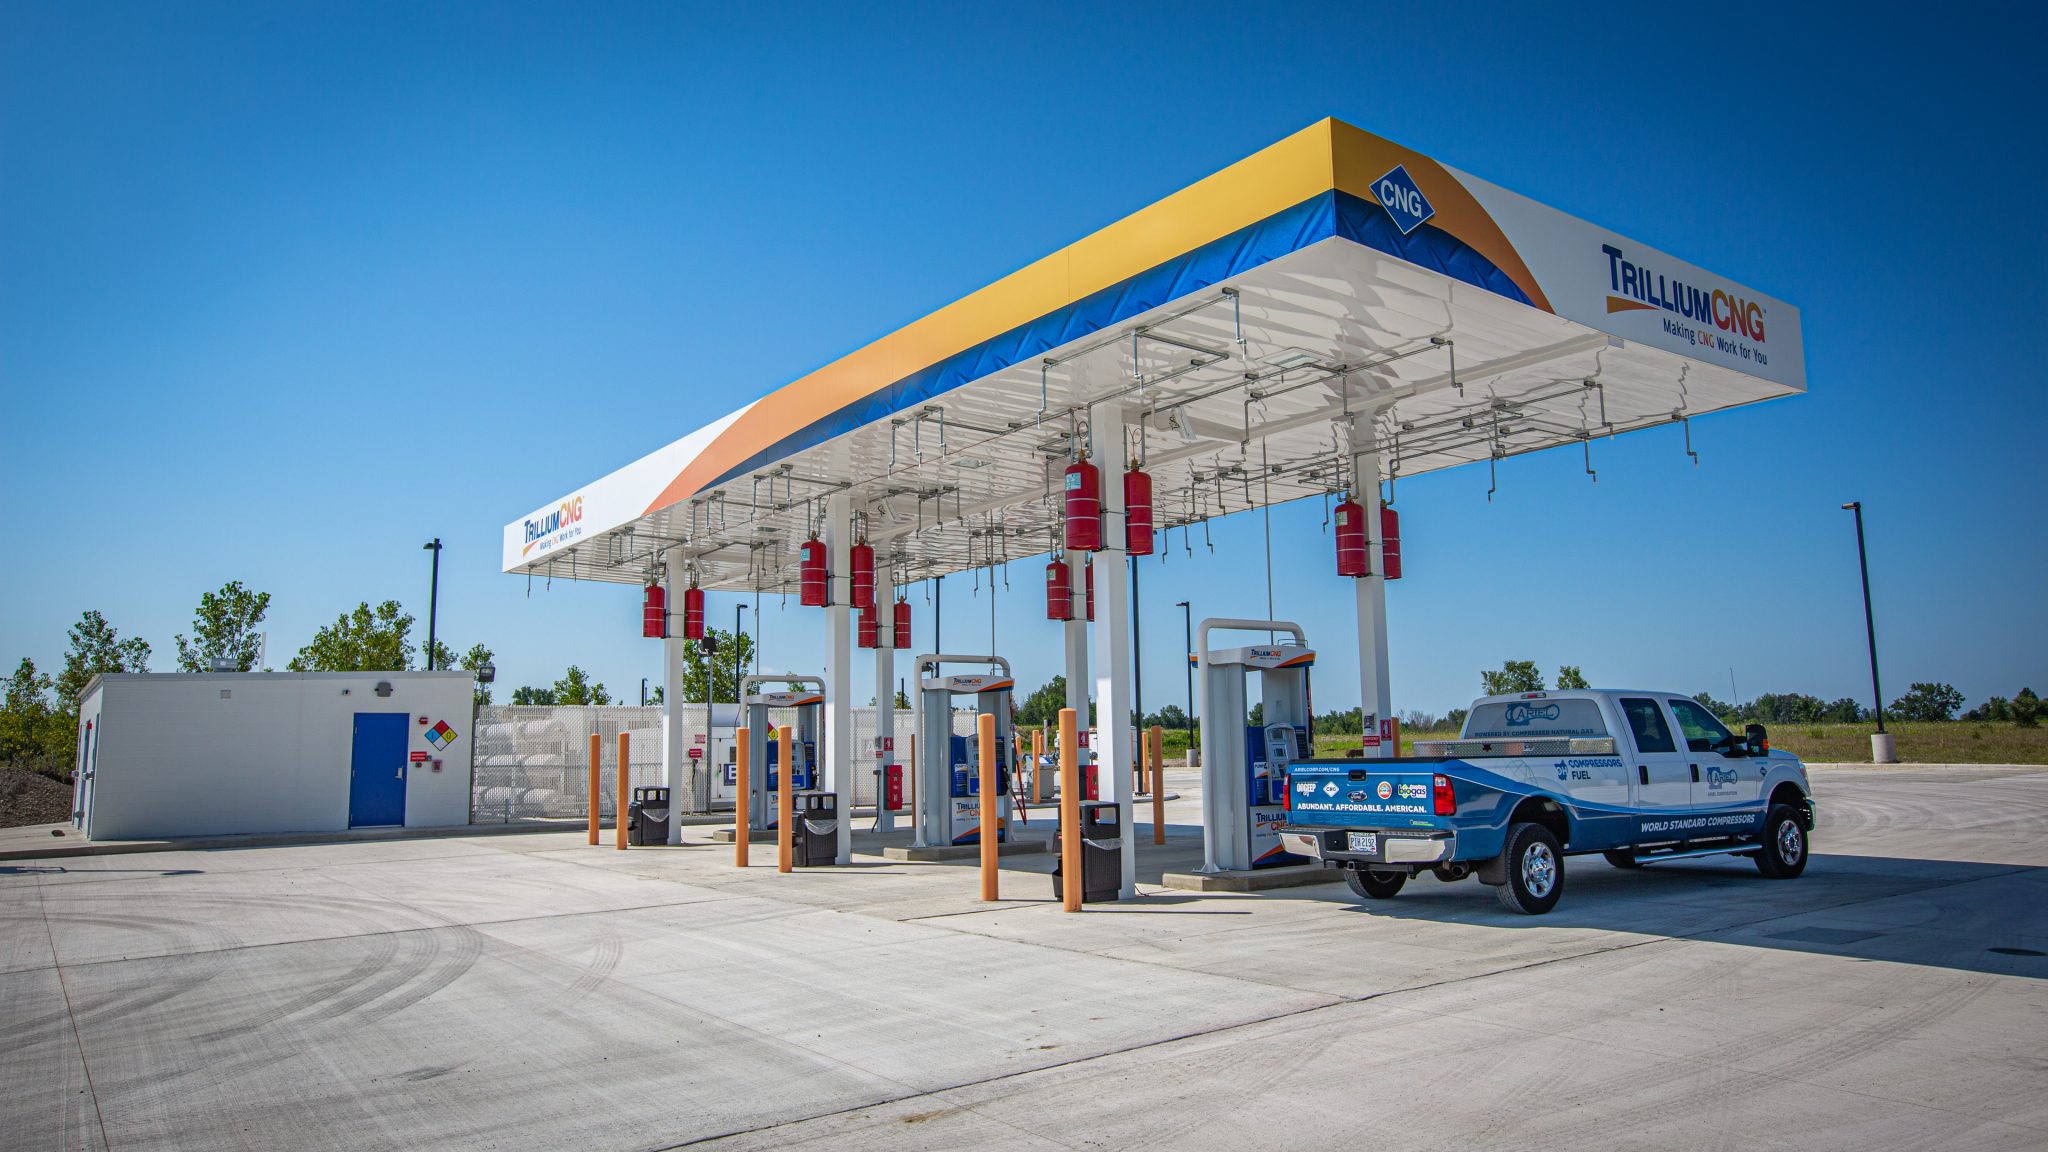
376, 787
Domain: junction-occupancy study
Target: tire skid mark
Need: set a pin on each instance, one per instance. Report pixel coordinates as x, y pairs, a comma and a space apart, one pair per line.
468, 945
381, 950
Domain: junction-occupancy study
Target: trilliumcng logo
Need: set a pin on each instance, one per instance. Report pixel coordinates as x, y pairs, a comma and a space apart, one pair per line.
1402, 199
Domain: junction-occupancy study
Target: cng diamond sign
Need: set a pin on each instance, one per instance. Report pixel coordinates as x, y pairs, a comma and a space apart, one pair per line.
1402, 199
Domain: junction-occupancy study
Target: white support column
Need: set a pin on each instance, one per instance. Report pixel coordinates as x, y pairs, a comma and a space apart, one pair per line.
1375, 691
675, 748
885, 687
838, 755
1113, 656
1076, 633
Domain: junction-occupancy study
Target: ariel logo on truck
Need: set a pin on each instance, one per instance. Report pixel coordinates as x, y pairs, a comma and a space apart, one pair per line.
1523, 715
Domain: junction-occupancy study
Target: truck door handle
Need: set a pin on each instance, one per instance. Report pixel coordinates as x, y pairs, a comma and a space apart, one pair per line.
1695, 773
1643, 771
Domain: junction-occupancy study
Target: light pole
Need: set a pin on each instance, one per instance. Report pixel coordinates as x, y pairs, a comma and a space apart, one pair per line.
1187, 616
433, 596
736, 634
1881, 747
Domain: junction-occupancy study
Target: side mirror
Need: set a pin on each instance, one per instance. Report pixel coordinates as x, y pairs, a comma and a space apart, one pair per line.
1759, 740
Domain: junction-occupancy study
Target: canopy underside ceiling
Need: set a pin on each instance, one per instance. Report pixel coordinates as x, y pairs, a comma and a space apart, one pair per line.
1236, 396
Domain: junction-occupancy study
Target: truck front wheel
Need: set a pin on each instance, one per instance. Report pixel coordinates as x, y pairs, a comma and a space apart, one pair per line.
1782, 856
1535, 870
1375, 885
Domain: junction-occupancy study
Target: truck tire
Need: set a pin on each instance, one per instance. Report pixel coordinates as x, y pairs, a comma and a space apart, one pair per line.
1623, 858
1782, 856
1375, 885
1535, 870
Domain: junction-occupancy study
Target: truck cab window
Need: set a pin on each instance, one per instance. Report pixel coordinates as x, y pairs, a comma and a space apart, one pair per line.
1703, 732
1646, 723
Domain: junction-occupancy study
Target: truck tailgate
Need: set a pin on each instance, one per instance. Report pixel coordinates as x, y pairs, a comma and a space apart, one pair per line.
1362, 794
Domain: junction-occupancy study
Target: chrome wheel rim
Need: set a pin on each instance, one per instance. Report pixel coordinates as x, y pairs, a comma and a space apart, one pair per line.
1539, 870
1791, 842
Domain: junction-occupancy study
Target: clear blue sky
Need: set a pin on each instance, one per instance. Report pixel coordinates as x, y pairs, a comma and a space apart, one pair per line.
285, 290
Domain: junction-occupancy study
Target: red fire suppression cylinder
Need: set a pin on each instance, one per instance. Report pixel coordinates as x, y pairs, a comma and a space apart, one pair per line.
1084, 507
693, 613
1088, 582
1137, 512
865, 627
1390, 543
811, 583
902, 637
861, 559
1351, 559
654, 612
1059, 591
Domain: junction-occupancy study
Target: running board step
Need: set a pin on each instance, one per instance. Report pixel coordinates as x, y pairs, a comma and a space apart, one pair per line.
1695, 853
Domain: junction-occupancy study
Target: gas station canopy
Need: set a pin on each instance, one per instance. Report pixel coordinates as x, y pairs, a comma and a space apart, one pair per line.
1251, 327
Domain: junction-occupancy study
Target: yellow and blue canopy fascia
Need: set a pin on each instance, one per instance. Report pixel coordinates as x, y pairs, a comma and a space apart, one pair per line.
1310, 187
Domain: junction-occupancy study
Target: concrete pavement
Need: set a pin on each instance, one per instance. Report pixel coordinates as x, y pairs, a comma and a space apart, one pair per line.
533, 992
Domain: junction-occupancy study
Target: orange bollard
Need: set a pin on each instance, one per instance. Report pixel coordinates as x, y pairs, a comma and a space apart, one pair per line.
1158, 784
619, 802
1037, 773
742, 800
1070, 814
785, 806
596, 783
989, 818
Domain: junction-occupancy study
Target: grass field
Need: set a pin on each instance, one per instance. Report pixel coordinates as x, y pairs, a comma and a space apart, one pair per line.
1918, 742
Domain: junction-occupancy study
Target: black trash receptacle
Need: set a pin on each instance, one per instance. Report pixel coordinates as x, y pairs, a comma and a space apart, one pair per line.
1102, 855
814, 840
647, 817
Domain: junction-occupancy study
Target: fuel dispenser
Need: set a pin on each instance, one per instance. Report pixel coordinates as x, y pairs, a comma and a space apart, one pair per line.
1244, 765
949, 766
766, 751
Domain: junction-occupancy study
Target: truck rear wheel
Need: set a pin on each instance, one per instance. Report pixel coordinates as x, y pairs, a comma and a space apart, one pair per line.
1782, 856
1375, 885
1535, 870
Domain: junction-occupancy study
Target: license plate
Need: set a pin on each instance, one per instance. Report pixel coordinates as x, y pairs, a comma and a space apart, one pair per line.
1363, 841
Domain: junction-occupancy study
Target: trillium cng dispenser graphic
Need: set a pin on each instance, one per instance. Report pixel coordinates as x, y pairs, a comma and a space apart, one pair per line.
1244, 765
765, 750
949, 766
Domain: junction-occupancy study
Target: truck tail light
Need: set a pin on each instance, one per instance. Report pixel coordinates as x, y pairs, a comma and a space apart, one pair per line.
1440, 797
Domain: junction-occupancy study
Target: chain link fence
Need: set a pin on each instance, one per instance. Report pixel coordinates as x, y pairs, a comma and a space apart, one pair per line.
533, 762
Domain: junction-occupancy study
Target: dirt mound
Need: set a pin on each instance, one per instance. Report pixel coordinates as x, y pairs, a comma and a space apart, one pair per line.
32, 798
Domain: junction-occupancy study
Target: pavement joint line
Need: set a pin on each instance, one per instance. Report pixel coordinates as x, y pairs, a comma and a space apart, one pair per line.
162, 872
71, 1013
442, 927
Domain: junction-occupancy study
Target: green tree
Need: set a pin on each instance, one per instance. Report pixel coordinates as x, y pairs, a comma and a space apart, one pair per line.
1928, 702
576, 687
1787, 708
721, 669
96, 648
363, 640
1729, 713
529, 696
2026, 708
1172, 716
1514, 676
1843, 711
1043, 706
224, 625
1455, 719
28, 725
1569, 676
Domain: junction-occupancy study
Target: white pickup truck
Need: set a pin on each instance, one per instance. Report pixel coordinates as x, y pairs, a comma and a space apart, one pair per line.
1535, 777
